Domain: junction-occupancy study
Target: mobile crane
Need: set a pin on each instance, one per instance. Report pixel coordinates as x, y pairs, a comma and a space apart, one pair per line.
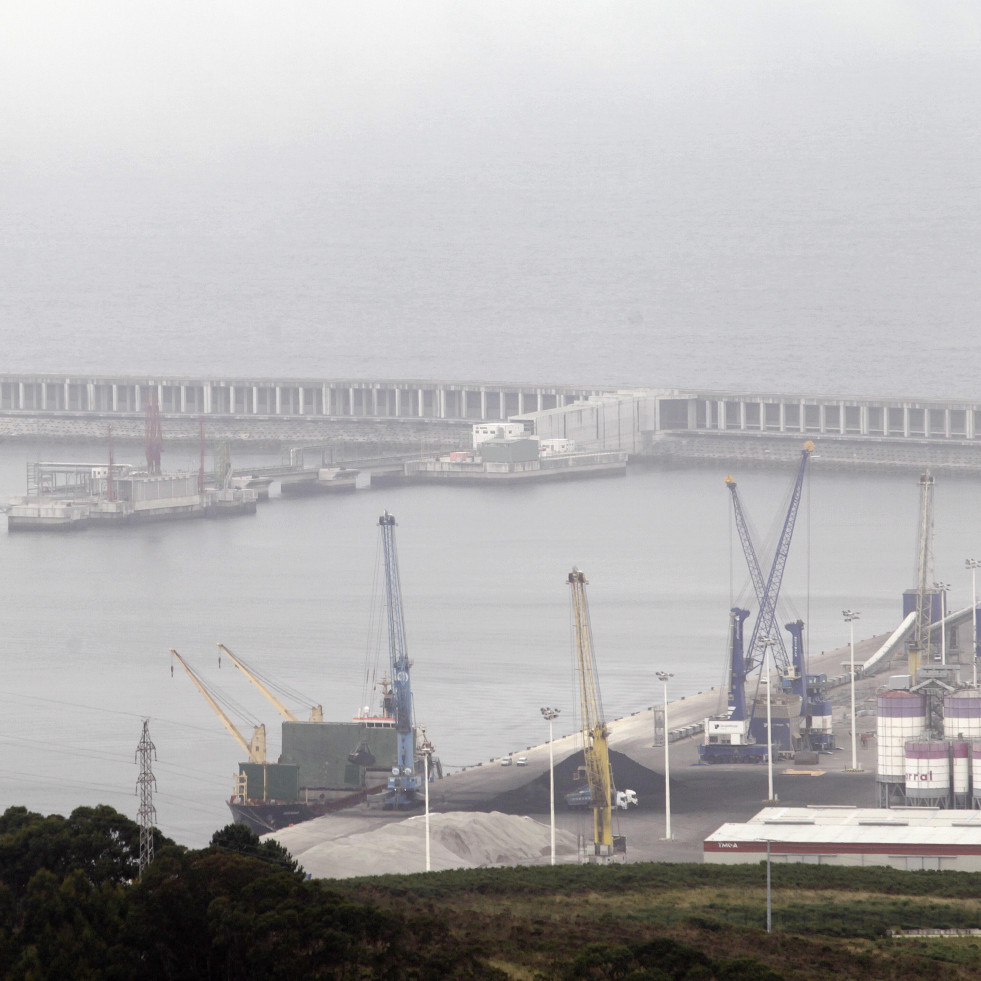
595, 736
404, 785
739, 736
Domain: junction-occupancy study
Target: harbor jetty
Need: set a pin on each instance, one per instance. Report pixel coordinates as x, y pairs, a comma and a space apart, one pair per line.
657, 425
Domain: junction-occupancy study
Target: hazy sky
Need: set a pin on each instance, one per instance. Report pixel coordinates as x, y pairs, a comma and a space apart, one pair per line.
535, 190
183, 82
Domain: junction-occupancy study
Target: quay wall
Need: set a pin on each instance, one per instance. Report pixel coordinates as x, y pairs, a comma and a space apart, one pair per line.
661, 426
260, 398
346, 435
757, 430
830, 453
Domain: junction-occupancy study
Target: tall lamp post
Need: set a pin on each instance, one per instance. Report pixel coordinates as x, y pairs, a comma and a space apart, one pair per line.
663, 677
769, 908
850, 617
768, 643
943, 587
550, 714
974, 565
427, 751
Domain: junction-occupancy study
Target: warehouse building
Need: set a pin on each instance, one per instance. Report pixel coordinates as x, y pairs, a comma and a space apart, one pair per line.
911, 838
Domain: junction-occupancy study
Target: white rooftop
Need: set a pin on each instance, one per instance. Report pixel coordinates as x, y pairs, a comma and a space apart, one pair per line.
857, 825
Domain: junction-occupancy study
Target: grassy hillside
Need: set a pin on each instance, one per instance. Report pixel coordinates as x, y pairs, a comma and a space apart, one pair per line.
73, 906
691, 921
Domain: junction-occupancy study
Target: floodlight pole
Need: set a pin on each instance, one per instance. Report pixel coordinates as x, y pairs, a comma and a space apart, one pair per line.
850, 617
973, 565
426, 752
769, 906
768, 643
550, 714
663, 677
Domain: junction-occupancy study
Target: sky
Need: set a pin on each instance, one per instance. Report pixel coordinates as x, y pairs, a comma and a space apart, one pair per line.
188, 83
683, 192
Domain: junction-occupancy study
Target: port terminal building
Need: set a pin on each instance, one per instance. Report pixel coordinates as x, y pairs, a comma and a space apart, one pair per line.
913, 838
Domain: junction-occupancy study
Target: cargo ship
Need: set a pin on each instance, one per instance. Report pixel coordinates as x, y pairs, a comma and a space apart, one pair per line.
323, 767
327, 766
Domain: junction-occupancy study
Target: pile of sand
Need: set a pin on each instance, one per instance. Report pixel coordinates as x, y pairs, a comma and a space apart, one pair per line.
328, 848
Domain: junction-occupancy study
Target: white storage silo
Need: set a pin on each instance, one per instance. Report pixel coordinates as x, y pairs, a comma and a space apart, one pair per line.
962, 714
928, 773
901, 716
960, 759
976, 774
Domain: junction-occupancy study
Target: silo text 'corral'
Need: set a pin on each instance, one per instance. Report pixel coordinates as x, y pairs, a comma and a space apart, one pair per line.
928, 773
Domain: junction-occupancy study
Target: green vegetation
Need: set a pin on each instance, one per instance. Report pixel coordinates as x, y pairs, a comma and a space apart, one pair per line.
70, 907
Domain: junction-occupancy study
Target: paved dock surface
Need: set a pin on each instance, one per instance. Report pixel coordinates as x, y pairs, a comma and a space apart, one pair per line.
702, 797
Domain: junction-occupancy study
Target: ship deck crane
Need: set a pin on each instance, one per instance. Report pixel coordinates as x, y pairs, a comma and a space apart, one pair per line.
264, 686
256, 749
739, 739
596, 753
404, 784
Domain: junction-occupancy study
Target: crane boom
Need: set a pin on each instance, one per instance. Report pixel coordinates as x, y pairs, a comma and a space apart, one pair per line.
924, 577
316, 711
277, 704
765, 628
404, 783
257, 748
752, 560
596, 753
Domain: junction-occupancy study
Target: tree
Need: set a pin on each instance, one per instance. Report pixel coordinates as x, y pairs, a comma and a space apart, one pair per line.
242, 840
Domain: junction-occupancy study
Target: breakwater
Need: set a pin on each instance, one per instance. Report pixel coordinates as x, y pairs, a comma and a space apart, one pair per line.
657, 425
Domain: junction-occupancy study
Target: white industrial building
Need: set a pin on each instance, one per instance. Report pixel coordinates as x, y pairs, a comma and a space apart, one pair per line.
901, 837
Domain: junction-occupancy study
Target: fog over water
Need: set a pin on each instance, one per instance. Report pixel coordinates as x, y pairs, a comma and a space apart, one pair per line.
753, 196
757, 196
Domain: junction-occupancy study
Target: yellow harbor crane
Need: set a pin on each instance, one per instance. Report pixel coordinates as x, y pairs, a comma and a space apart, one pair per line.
316, 711
257, 748
595, 735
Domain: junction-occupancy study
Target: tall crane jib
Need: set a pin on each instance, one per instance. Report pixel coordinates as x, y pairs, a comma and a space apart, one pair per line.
404, 784
596, 753
740, 736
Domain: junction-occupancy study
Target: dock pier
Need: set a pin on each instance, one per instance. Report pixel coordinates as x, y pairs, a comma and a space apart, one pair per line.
657, 425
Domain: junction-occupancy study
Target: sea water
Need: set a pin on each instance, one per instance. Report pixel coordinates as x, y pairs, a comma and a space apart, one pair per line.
90, 616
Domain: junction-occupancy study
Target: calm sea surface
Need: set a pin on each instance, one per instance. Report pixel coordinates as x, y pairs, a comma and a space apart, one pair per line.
90, 617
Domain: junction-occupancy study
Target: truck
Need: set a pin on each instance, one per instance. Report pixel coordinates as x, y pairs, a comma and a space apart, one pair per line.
621, 800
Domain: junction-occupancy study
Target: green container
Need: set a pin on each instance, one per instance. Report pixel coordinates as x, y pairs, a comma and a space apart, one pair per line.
521, 450
321, 751
271, 781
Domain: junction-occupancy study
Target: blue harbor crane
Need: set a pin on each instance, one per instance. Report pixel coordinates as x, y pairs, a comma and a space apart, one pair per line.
739, 736
404, 785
